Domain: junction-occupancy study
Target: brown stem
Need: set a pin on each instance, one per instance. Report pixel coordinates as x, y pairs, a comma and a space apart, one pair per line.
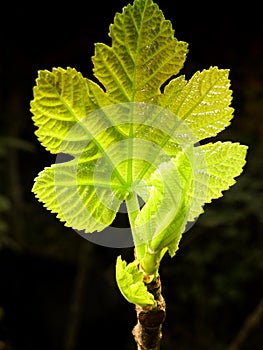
148, 330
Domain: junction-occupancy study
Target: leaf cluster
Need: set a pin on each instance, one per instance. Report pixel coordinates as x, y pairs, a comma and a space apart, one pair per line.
136, 135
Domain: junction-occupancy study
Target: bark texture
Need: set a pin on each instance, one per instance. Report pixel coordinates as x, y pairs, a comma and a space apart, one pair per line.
148, 330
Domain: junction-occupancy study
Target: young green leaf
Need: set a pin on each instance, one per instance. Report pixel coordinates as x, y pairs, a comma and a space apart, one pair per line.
181, 188
136, 65
202, 103
143, 55
168, 202
62, 98
78, 200
132, 136
221, 163
131, 285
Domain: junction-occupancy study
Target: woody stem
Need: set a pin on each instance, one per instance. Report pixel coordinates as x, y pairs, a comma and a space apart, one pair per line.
148, 330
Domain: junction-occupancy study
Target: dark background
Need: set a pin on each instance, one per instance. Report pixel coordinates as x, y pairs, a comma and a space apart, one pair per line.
57, 290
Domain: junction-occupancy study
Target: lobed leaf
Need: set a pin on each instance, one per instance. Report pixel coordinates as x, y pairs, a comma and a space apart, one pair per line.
63, 101
223, 162
69, 190
143, 55
202, 103
135, 137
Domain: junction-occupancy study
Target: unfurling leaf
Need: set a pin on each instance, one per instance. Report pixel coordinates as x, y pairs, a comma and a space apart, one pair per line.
131, 285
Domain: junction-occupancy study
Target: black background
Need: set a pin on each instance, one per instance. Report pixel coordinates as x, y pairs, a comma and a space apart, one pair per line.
52, 281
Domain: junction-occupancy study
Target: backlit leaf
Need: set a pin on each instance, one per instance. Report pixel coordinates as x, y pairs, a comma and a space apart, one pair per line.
132, 135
